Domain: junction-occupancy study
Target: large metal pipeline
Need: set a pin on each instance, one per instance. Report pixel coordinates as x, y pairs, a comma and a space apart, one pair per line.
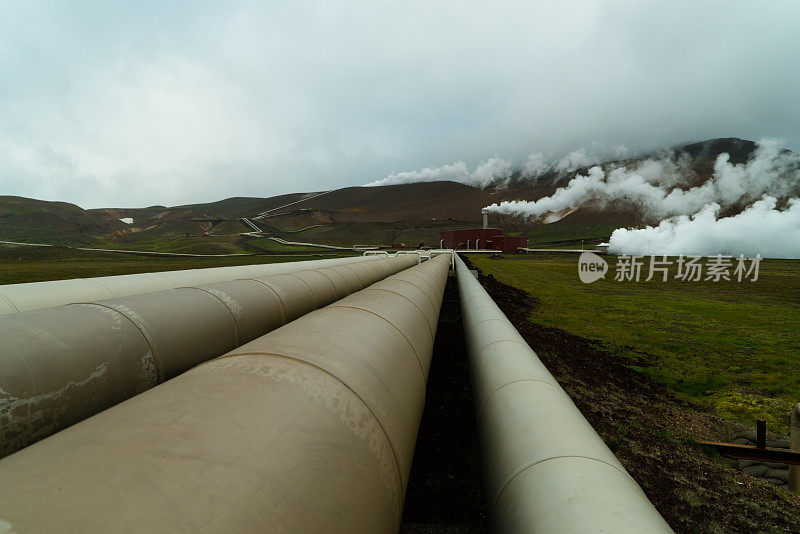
63, 364
545, 468
310, 428
35, 295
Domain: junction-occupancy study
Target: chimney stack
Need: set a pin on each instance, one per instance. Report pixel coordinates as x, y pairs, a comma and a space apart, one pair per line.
485, 218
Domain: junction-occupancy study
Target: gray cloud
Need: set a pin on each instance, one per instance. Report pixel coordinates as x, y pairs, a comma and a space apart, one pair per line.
107, 104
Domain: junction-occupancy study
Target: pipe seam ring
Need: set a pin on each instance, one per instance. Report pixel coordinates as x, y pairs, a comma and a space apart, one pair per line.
6, 299
503, 319
431, 286
490, 305
98, 280
138, 329
415, 275
345, 385
230, 311
433, 331
334, 283
524, 468
347, 266
412, 284
419, 361
170, 282
278, 293
483, 302
346, 281
489, 396
94, 281
517, 341
313, 294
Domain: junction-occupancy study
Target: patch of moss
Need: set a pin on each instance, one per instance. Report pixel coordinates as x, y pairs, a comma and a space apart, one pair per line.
729, 346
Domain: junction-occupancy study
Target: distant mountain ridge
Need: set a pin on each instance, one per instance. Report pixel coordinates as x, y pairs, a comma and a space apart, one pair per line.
424, 205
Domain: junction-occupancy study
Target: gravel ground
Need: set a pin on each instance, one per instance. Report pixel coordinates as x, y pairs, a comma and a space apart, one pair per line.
444, 492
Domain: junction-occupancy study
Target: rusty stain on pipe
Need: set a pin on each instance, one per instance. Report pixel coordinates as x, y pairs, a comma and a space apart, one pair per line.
309, 428
60, 365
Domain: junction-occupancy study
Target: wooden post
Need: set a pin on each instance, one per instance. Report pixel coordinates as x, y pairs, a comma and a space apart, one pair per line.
794, 446
761, 433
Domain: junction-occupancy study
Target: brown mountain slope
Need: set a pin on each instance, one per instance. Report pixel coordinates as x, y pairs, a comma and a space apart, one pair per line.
230, 208
422, 206
404, 202
236, 207
706, 152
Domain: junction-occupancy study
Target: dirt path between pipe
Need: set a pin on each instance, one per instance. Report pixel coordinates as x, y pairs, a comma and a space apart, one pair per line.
444, 493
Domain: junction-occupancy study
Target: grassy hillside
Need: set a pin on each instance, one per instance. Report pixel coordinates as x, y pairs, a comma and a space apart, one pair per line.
263, 244
30, 220
729, 346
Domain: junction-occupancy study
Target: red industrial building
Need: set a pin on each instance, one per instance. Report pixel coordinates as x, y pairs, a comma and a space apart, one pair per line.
481, 239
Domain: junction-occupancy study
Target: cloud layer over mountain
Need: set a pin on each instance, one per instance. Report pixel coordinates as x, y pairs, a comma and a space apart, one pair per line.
112, 104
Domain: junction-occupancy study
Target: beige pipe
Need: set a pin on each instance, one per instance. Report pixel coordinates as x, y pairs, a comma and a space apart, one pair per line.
794, 446
310, 428
353, 279
545, 468
60, 365
35, 295
363, 274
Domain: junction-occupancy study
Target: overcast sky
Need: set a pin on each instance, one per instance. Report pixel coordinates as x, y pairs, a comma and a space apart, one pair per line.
141, 103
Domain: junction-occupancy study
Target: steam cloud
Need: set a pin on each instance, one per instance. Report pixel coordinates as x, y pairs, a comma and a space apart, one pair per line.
498, 170
660, 188
759, 229
689, 216
654, 185
491, 170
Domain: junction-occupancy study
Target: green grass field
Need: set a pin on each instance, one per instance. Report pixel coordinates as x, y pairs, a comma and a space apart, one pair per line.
730, 346
33, 264
273, 246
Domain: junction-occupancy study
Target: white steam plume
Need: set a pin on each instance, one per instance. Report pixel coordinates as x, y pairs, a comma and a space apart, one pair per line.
759, 229
499, 170
654, 185
537, 165
575, 160
492, 170
540, 164
457, 172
